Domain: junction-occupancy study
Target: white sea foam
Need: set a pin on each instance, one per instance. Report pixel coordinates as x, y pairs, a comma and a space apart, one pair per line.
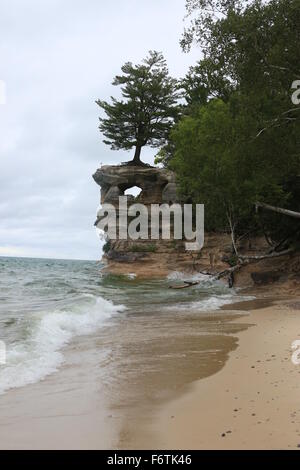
180, 276
218, 293
41, 353
217, 301
213, 302
131, 275
203, 278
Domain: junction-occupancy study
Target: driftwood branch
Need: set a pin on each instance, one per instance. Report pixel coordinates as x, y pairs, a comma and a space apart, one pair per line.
229, 272
243, 260
279, 210
186, 284
268, 255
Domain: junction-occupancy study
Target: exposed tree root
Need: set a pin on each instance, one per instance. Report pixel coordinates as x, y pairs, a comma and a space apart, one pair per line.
229, 272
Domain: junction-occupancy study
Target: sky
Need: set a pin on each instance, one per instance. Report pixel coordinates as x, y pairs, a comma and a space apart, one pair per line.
56, 58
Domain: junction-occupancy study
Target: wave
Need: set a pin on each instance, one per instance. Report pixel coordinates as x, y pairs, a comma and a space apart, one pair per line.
205, 279
216, 292
213, 302
41, 353
217, 301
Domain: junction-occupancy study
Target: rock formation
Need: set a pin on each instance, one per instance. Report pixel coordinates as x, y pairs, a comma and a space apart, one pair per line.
153, 257
160, 257
157, 186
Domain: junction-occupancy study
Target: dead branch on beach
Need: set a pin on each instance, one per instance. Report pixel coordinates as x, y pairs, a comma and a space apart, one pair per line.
229, 272
186, 284
243, 260
267, 255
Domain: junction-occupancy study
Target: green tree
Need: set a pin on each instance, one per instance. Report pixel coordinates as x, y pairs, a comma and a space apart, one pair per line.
206, 162
239, 139
217, 164
205, 15
251, 47
147, 111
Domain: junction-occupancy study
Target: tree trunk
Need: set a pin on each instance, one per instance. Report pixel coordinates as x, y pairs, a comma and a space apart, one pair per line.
136, 158
232, 227
268, 255
279, 210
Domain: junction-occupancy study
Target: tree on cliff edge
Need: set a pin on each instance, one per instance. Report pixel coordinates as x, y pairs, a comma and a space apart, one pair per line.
147, 111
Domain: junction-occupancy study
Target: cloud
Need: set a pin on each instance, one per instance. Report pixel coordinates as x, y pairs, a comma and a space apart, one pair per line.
56, 59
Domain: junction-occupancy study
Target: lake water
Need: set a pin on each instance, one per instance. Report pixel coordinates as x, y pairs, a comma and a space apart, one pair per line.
133, 341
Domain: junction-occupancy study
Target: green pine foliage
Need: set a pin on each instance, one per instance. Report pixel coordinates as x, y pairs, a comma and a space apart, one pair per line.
147, 110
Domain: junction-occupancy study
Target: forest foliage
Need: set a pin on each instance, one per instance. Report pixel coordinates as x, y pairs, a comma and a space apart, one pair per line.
238, 139
233, 137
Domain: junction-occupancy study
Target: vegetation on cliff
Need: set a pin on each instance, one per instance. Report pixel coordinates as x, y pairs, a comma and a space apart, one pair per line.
234, 138
238, 141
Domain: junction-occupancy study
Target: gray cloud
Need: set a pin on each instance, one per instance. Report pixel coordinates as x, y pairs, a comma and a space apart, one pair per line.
56, 58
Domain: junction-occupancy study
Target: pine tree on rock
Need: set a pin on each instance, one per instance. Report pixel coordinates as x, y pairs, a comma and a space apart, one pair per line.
147, 110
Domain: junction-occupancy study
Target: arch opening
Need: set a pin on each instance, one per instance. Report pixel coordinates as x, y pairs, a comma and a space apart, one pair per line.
133, 191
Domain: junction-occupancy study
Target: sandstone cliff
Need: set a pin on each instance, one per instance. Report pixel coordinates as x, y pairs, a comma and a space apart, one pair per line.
160, 257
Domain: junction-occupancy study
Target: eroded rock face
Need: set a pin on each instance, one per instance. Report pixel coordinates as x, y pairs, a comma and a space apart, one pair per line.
153, 257
157, 185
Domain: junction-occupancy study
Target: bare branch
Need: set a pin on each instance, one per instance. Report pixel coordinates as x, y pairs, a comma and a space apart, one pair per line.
265, 256
277, 209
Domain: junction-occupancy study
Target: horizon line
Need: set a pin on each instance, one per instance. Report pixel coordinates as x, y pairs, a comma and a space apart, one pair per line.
47, 258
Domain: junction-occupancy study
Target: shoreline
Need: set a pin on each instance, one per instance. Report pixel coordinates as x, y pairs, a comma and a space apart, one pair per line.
83, 405
246, 395
64, 411
253, 402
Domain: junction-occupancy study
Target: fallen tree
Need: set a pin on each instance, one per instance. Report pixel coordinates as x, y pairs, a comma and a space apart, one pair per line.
267, 255
243, 260
279, 210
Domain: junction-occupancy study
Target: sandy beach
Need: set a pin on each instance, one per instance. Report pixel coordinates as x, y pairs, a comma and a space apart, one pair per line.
252, 403
169, 379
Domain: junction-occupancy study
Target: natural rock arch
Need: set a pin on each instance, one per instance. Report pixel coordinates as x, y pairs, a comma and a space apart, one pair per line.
157, 185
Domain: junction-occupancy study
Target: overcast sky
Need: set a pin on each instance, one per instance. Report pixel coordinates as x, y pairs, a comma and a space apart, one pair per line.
56, 58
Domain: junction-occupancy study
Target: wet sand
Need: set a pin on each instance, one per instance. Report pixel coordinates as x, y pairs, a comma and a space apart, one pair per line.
112, 382
218, 380
252, 403
66, 410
